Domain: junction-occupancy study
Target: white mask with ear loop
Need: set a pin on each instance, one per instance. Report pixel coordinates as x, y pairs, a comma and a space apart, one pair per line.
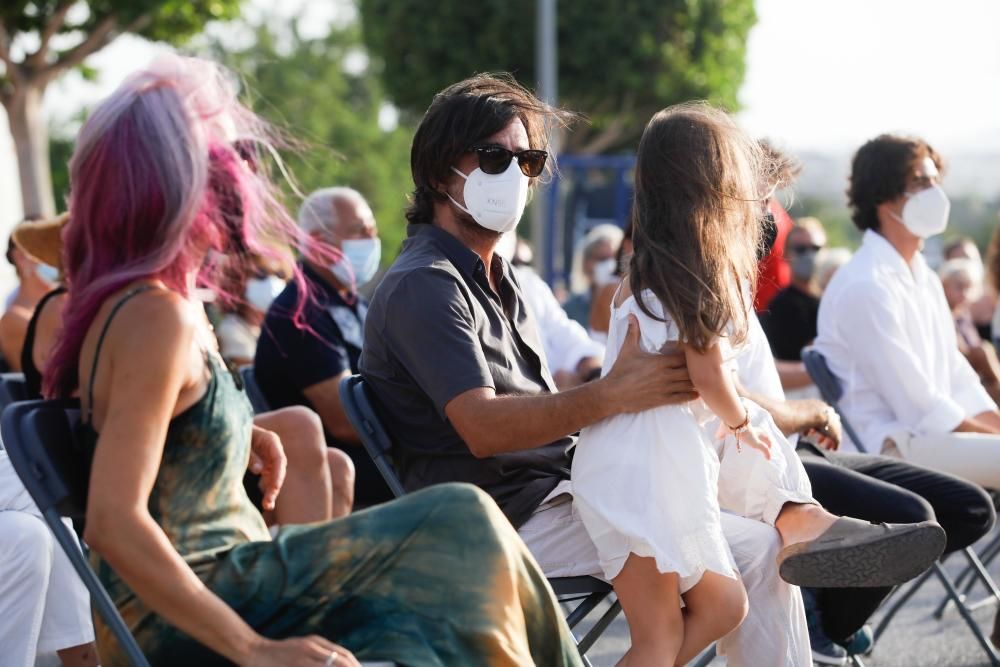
925, 213
495, 201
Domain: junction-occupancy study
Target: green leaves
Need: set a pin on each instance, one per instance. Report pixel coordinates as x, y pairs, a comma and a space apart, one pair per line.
619, 62
315, 89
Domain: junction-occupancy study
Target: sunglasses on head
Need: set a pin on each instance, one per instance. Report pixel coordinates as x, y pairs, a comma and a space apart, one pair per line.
496, 159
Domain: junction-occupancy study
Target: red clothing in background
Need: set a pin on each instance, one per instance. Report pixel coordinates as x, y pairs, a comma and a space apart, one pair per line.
774, 272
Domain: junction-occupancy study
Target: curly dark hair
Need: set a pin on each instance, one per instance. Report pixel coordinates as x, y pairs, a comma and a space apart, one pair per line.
462, 115
879, 171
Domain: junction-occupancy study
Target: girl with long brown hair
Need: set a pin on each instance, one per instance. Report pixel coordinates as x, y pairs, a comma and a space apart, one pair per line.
650, 485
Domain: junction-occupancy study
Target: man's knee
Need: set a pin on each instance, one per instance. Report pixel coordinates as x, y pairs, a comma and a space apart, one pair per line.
301, 434
341, 469
463, 504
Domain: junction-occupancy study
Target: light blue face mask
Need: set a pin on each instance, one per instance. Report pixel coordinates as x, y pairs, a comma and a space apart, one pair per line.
49, 274
360, 262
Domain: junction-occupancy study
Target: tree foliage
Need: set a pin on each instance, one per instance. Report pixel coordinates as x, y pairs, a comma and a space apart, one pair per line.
42, 39
618, 62
327, 93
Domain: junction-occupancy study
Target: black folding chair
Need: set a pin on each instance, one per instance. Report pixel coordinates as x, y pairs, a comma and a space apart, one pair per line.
12, 389
39, 439
359, 407
832, 392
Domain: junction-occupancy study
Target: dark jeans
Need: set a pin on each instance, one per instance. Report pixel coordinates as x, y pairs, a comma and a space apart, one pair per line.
883, 489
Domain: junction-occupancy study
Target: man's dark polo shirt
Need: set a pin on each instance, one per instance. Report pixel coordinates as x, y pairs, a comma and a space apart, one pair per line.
436, 329
290, 360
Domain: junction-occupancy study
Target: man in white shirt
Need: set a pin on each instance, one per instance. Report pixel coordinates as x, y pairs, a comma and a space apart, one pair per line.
885, 328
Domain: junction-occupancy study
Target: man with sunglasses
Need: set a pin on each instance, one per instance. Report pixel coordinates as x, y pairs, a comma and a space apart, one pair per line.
790, 318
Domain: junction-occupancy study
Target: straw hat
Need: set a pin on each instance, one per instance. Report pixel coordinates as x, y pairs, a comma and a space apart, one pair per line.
42, 239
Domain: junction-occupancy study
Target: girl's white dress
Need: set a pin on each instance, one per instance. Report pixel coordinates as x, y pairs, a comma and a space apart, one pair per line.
652, 483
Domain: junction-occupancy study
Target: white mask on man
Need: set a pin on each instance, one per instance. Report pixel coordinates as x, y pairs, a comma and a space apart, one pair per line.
260, 292
495, 201
925, 213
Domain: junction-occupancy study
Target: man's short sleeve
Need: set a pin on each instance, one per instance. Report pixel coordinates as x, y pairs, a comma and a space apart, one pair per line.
430, 328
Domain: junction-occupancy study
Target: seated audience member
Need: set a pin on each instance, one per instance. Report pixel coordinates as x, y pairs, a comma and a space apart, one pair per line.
790, 318
312, 491
828, 262
438, 577
304, 365
600, 309
572, 355
44, 607
886, 331
593, 267
453, 357
239, 328
35, 280
775, 274
983, 306
870, 487
959, 280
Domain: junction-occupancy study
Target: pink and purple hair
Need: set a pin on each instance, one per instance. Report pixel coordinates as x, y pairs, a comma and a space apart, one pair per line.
162, 186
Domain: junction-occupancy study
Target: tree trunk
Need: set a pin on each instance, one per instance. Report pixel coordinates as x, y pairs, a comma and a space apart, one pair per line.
31, 141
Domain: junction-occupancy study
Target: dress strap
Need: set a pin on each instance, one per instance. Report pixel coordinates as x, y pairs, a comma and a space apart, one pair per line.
100, 341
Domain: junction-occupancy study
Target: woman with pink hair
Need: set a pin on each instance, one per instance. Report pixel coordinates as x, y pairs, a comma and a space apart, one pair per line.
438, 577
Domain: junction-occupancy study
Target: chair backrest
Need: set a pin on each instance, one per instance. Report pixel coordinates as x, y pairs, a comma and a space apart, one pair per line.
40, 440
360, 410
13, 388
830, 389
254, 393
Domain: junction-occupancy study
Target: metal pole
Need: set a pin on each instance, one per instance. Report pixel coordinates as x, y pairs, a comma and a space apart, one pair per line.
545, 75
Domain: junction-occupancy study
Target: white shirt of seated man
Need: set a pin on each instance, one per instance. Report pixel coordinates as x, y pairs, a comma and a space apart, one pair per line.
566, 344
888, 336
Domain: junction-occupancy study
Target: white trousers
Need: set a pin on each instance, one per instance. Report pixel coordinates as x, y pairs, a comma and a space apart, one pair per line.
972, 456
774, 632
44, 607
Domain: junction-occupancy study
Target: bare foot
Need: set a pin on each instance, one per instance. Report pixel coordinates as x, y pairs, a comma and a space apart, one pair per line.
800, 522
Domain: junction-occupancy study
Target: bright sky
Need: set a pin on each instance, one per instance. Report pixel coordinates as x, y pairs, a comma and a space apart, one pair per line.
821, 74
829, 74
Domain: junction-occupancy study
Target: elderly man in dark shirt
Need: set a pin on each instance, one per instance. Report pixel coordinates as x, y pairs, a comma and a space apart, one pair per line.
304, 366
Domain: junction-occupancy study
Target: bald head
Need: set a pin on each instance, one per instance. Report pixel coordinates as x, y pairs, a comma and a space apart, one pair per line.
337, 214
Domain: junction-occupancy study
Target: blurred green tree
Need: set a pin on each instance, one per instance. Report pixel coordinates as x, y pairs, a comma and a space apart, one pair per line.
32, 55
328, 95
619, 62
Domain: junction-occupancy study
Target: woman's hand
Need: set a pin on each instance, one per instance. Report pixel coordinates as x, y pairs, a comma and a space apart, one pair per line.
756, 438
311, 651
267, 459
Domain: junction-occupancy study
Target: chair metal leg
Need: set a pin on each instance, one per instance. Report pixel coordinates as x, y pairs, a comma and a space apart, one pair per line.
705, 658
600, 626
988, 648
585, 607
98, 596
976, 571
856, 661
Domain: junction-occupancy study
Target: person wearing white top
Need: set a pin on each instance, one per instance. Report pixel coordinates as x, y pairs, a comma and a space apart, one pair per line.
44, 606
885, 329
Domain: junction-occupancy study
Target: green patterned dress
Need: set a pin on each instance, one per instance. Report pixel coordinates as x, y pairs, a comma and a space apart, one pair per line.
436, 578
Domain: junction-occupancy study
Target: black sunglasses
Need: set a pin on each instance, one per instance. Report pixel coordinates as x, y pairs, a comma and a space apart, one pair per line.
495, 160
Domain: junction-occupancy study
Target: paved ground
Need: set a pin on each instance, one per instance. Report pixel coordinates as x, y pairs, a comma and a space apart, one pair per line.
914, 638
